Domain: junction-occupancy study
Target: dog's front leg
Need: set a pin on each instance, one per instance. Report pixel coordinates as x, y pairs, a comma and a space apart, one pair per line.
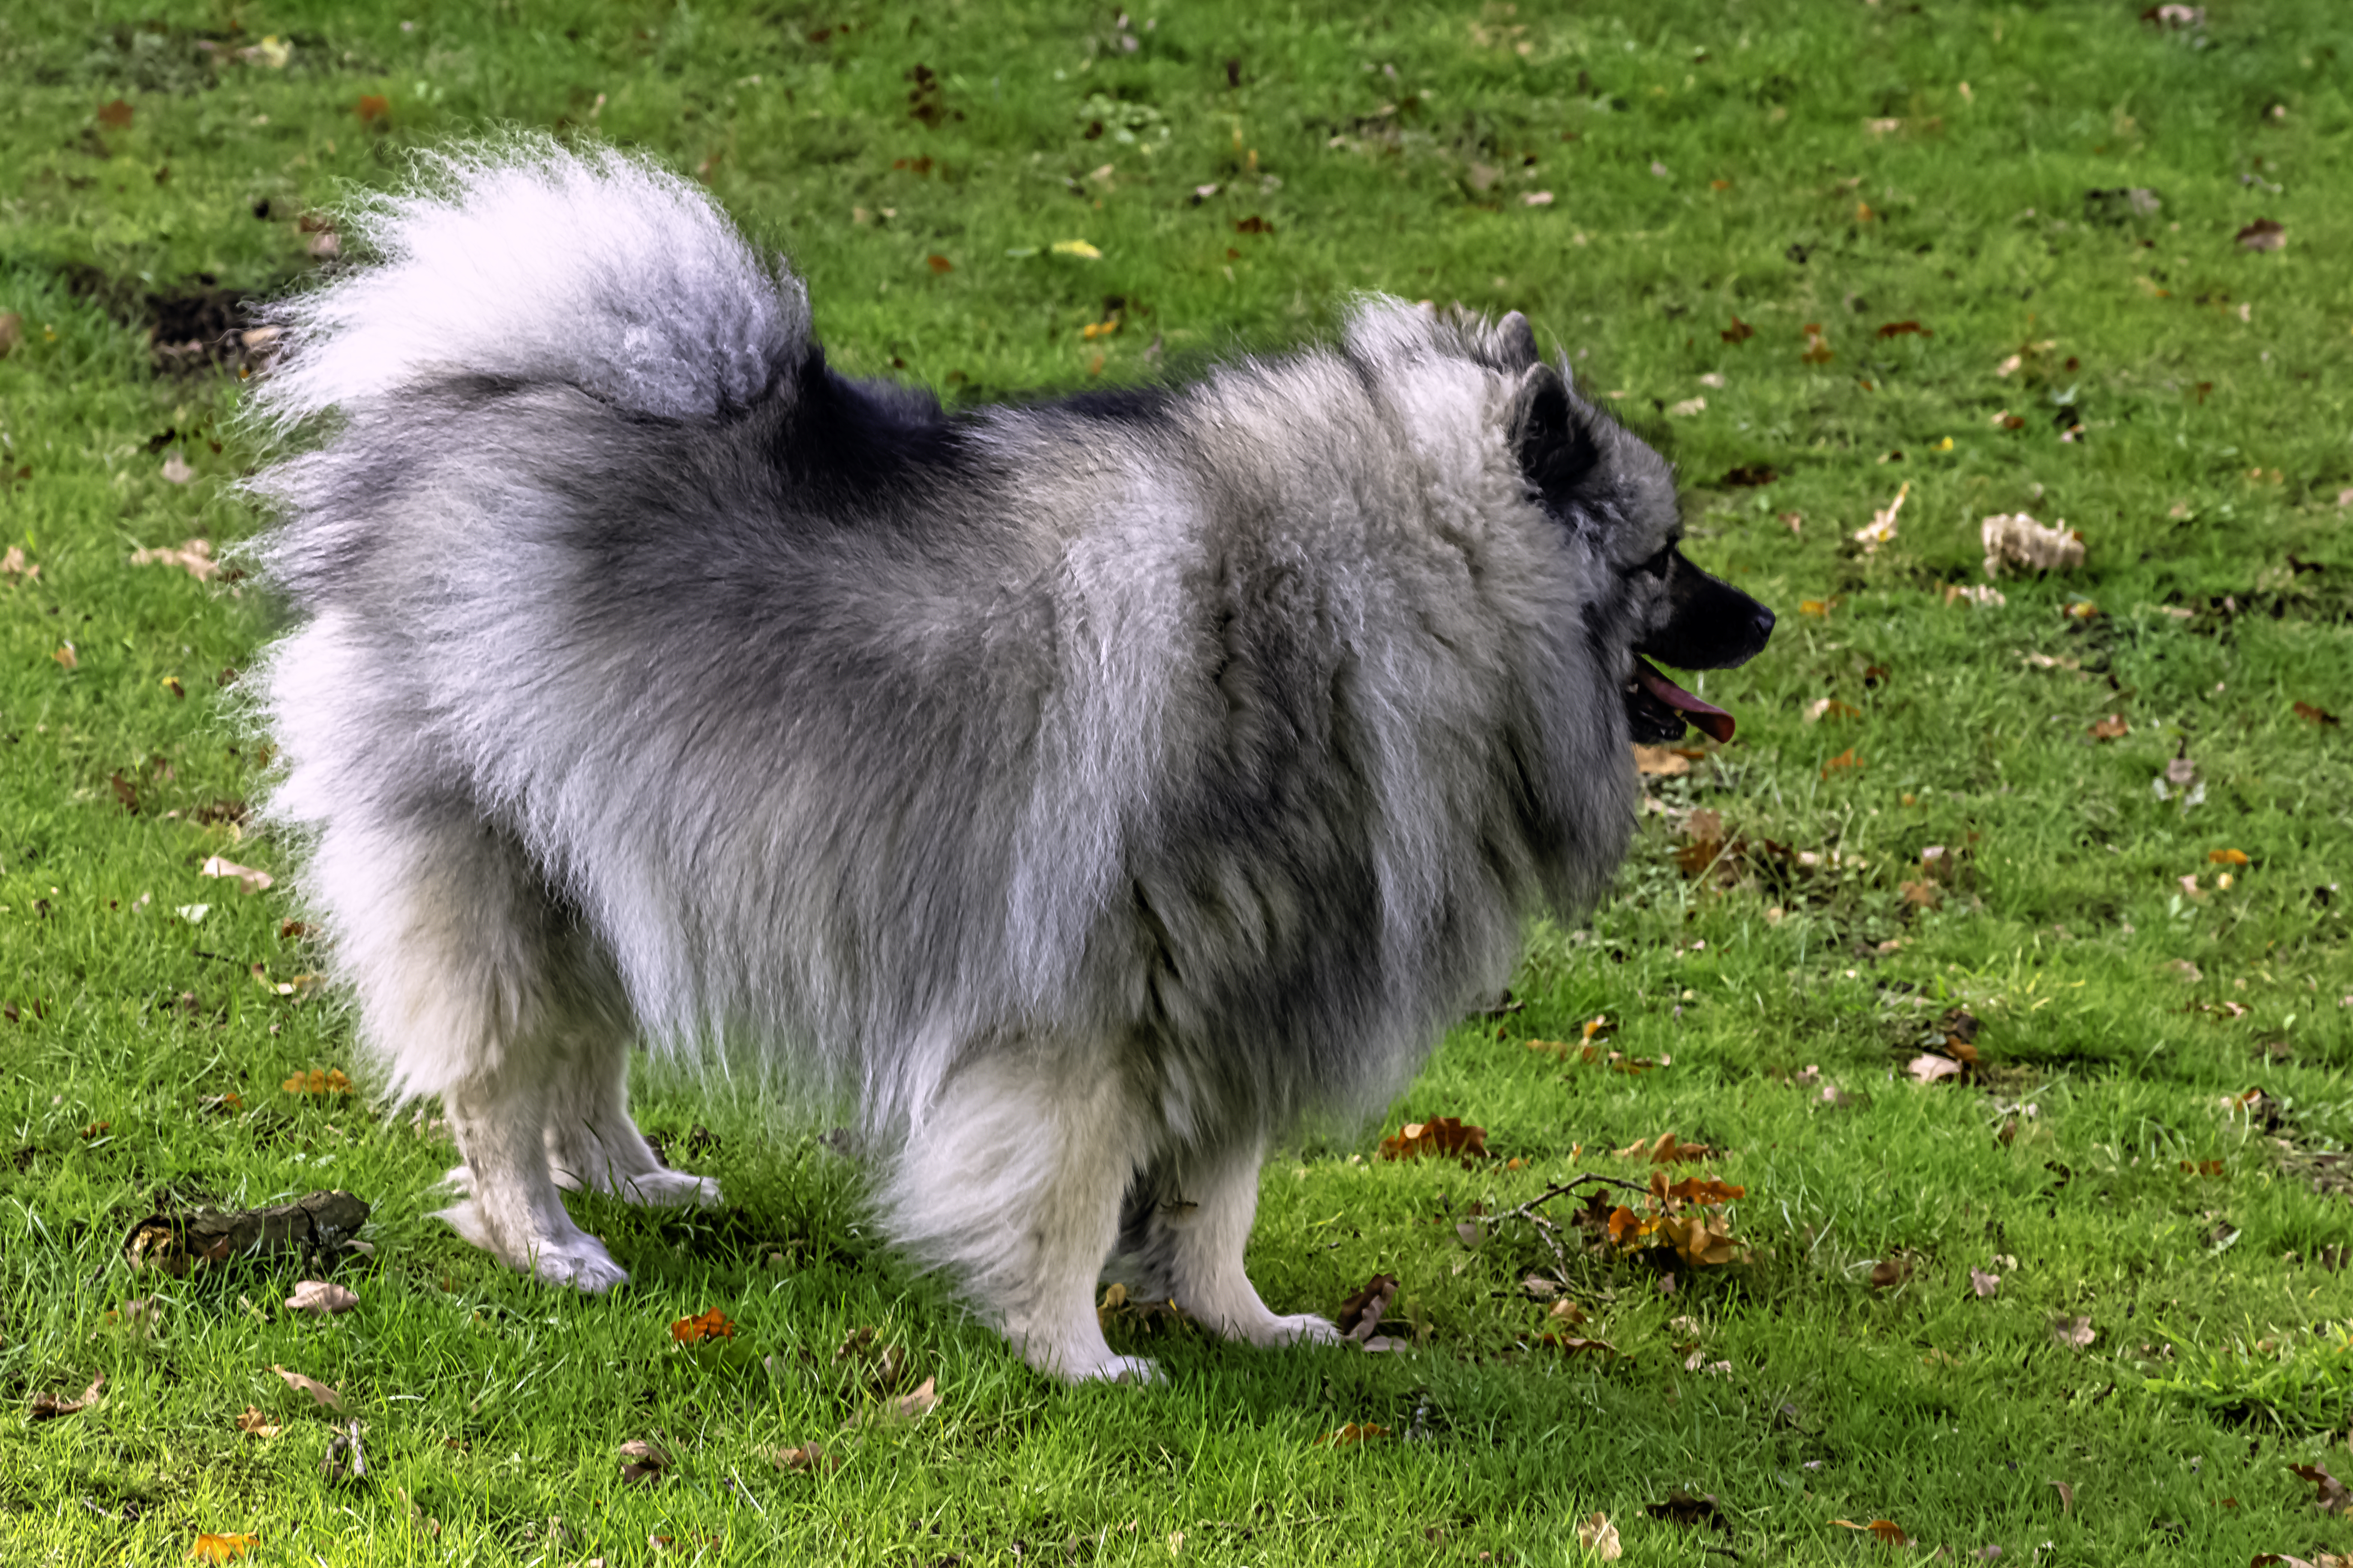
1187, 1243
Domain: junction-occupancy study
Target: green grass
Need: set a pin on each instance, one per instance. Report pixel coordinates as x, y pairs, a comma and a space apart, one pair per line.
1706, 162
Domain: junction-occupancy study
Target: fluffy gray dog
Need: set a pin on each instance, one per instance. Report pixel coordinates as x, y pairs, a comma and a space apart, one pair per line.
1085, 791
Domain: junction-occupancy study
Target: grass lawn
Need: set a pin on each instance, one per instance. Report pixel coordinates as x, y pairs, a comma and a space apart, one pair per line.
1988, 259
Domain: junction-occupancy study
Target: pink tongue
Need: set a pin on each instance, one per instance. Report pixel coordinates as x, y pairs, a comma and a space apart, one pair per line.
1704, 716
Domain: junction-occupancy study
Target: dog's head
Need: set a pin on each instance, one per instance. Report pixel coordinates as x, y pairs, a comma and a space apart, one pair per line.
1603, 483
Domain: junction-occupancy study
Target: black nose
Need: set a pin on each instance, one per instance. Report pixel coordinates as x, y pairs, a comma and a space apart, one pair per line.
1764, 624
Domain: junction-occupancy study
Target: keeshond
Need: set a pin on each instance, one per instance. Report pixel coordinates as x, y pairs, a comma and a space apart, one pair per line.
1086, 791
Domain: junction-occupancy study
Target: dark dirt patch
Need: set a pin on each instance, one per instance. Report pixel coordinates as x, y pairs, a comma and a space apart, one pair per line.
198, 326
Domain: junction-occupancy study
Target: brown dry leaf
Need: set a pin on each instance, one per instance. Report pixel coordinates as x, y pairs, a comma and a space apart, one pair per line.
47, 1406
221, 1548
1899, 329
372, 107
176, 470
1566, 1313
1439, 1135
254, 1424
66, 656
1846, 759
711, 1325
913, 1404
2073, 1333
1884, 1530
2227, 856
196, 555
1350, 1433
810, 1457
1739, 332
939, 264
2066, 1495
1930, 1067
114, 114
329, 1080
1890, 1271
1362, 1313
642, 1462
321, 1295
1984, 1284
312, 1386
1595, 1532
2014, 539
1570, 1345
2303, 711
2263, 234
1818, 347
1661, 761
12, 336
2330, 1494
2112, 728
14, 563
248, 879
1664, 1149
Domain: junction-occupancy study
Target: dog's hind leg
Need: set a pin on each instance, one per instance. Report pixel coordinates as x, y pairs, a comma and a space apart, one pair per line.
466, 985
1187, 1221
1011, 1182
592, 1141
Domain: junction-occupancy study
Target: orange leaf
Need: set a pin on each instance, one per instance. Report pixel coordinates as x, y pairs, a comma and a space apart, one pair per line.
330, 1081
115, 114
1439, 1135
939, 264
712, 1324
372, 106
2112, 728
1707, 1190
1846, 759
1351, 1433
2227, 856
221, 1548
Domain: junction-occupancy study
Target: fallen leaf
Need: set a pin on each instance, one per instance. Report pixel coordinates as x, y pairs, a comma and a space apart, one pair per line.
248, 879
14, 565
254, 1424
1890, 1271
328, 1080
312, 1386
47, 1406
2066, 1495
1661, 761
2014, 539
1846, 759
1362, 1313
1687, 407
712, 1324
1818, 347
1886, 1530
196, 555
2073, 1333
1899, 329
642, 1462
1568, 1345
1599, 1536
2227, 856
1350, 1433
1881, 529
66, 656
2330, 1494
939, 264
221, 1548
176, 470
1078, 247
1984, 1284
915, 1403
372, 107
321, 1295
1739, 332
1663, 1150
2112, 728
1440, 1135
2263, 234
810, 1457
114, 114
1537, 199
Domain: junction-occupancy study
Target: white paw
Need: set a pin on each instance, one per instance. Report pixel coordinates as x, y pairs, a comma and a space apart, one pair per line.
584, 1264
1113, 1369
461, 1179
1301, 1328
578, 1260
668, 1189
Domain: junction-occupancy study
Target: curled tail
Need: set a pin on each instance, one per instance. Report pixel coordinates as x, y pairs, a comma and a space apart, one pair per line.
527, 262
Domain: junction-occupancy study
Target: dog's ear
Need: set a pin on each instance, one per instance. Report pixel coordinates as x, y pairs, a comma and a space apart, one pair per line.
1556, 445
1514, 342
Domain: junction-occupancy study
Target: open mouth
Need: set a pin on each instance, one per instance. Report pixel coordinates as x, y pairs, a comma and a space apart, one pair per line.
1658, 708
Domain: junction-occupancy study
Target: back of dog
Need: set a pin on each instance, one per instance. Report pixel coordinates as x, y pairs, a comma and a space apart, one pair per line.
539, 325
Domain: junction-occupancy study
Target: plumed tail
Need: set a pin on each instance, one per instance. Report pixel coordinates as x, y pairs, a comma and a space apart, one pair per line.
525, 262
